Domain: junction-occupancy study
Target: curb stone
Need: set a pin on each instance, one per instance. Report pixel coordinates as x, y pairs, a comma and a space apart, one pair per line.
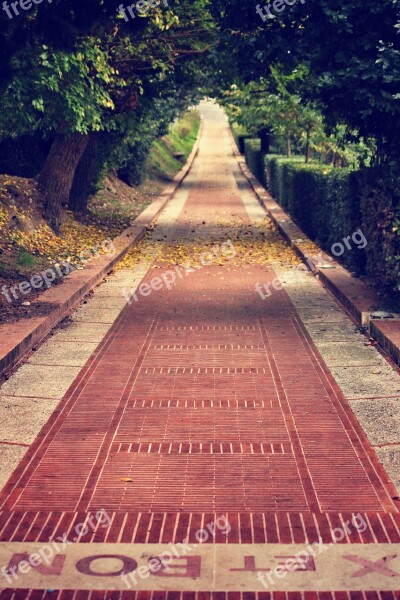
17, 339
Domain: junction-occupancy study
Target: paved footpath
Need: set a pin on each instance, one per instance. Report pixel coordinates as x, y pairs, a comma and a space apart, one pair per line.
203, 440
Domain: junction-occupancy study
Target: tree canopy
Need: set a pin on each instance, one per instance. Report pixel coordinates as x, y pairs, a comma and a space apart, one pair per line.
99, 81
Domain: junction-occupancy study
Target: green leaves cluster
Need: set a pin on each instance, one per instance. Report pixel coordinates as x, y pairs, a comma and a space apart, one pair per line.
60, 88
276, 104
98, 66
351, 51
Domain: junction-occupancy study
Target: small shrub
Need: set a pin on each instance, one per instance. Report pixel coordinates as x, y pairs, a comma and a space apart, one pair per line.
26, 260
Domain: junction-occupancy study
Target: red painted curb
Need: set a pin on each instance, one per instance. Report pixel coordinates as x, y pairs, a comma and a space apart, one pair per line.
17, 339
388, 335
356, 297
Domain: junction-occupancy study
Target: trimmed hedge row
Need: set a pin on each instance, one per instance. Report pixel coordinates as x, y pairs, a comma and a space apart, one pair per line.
377, 193
330, 204
240, 137
255, 159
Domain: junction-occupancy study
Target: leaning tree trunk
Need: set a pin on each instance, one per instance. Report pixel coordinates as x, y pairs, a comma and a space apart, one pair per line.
288, 147
85, 174
55, 180
308, 146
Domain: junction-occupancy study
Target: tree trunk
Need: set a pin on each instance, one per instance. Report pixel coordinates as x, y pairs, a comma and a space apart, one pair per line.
328, 157
335, 160
265, 137
288, 147
85, 174
308, 147
332, 158
55, 180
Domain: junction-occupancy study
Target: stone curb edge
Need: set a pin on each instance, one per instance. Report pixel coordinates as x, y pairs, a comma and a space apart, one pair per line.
358, 299
17, 339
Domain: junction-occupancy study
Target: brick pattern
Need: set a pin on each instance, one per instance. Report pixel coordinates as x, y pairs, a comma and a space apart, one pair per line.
246, 528
281, 401
130, 595
202, 448
314, 395
142, 595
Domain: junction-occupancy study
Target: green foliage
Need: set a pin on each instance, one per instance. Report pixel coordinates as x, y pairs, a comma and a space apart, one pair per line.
137, 152
80, 67
330, 204
60, 88
254, 158
352, 54
278, 176
100, 66
270, 103
240, 135
126, 149
134, 169
25, 260
321, 201
132, 149
377, 193
182, 135
274, 104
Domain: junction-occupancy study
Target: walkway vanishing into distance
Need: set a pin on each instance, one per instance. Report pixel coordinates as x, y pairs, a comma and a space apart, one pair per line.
241, 432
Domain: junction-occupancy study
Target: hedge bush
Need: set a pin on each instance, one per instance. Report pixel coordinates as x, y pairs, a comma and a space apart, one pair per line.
255, 158
330, 204
319, 199
240, 136
377, 192
311, 194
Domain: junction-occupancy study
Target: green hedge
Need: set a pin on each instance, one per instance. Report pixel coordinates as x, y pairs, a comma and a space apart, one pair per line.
254, 158
377, 193
320, 200
330, 204
240, 136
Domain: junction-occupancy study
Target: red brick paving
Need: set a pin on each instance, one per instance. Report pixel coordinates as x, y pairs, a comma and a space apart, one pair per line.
213, 402
143, 595
284, 388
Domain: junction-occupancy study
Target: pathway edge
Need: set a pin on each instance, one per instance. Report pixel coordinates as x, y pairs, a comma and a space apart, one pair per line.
357, 298
17, 339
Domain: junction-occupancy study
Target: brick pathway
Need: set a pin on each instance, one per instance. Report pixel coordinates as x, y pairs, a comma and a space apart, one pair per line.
222, 417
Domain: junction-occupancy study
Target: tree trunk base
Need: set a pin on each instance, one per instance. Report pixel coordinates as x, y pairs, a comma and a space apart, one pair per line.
55, 180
